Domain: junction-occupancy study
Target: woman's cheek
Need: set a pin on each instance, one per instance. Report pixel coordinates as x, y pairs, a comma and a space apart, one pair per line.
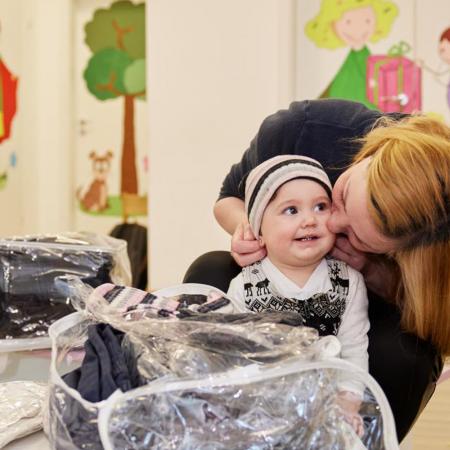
331, 223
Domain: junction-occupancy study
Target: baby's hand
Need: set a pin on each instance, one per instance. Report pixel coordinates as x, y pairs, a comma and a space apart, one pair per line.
350, 404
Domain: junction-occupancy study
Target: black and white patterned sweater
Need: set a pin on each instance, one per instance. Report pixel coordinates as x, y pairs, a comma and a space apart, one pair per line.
333, 301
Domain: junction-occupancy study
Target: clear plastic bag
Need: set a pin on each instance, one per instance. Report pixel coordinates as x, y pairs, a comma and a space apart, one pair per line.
213, 381
21, 404
34, 291
289, 405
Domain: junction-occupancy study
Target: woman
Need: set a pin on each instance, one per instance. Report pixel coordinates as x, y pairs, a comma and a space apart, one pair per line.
393, 201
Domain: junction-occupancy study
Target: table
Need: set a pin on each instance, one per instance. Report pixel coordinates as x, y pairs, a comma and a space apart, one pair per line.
35, 441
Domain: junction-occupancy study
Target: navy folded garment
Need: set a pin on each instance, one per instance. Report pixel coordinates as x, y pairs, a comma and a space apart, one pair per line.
33, 293
104, 369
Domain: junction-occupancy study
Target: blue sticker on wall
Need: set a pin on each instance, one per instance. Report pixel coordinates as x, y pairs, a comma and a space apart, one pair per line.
13, 159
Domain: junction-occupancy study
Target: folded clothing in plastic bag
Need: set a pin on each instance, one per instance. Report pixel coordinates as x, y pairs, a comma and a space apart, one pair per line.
212, 381
103, 369
33, 270
288, 406
21, 406
114, 360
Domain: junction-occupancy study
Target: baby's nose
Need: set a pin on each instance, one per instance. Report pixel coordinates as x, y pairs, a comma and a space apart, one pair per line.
308, 220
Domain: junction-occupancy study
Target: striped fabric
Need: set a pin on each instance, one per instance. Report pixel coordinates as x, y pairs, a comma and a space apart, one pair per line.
264, 180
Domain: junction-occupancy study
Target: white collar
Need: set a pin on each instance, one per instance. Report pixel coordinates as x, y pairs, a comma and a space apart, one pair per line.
319, 280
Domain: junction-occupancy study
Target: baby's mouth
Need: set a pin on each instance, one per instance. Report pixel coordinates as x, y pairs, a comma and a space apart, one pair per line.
311, 237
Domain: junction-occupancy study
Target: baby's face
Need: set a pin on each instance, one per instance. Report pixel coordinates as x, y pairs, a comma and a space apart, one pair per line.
294, 225
444, 50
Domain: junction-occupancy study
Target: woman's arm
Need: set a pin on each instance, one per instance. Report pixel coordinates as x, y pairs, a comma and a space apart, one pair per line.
229, 213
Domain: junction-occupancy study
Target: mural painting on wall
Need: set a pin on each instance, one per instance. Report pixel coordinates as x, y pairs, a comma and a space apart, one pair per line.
8, 107
442, 75
95, 198
390, 82
444, 53
116, 71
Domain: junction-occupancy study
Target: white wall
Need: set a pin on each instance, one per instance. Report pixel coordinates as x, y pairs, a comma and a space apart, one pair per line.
216, 69
36, 46
46, 116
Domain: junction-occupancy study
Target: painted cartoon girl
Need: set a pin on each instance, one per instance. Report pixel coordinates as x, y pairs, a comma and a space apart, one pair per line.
351, 23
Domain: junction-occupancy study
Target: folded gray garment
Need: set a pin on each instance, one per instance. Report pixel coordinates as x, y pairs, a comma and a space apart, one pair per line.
21, 404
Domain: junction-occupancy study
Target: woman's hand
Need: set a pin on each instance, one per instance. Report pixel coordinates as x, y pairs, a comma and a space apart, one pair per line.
379, 273
345, 251
245, 248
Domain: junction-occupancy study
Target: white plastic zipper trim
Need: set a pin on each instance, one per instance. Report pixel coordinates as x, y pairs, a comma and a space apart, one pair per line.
61, 246
256, 374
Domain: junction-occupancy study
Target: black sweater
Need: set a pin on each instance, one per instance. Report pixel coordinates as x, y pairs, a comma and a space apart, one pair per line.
321, 129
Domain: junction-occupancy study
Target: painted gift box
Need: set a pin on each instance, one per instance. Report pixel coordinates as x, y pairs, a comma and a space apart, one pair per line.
393, 81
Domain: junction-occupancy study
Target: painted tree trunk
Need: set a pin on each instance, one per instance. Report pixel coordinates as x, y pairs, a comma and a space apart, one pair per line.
128, 183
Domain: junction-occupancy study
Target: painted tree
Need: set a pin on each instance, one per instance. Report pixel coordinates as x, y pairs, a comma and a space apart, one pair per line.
116, 37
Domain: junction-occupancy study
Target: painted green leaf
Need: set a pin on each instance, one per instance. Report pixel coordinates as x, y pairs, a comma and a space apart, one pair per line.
121, 26
134, 77
104, 74
3, 180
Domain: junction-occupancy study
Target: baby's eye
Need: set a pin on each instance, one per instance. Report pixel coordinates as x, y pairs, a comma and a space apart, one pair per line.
322, 206
290, 210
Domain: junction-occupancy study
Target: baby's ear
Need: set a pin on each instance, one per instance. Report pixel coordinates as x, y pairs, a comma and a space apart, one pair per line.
261, 241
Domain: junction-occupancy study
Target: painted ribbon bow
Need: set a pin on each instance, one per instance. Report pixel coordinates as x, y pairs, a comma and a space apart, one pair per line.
399, 49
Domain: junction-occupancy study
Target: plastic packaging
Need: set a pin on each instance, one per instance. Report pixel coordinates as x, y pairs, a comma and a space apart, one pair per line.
290, 405
21, 405
33, 281
213, 381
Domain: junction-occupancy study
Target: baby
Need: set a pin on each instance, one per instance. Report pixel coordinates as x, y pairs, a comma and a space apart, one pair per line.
288, 203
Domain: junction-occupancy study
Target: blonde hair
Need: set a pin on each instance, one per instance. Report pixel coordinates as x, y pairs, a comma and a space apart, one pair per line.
409, 198
321, 31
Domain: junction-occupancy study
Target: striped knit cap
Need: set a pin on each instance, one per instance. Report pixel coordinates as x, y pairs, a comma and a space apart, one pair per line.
263, 181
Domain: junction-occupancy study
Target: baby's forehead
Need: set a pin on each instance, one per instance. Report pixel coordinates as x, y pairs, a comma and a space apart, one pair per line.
301, 188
